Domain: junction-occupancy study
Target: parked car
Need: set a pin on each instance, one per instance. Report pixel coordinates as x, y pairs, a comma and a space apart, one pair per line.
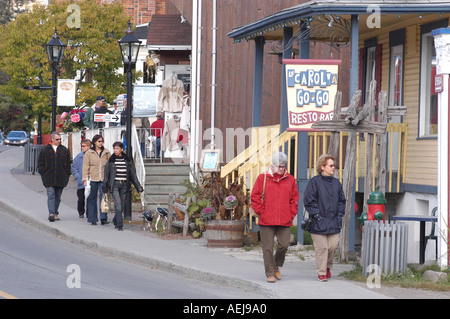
1, 138
16, 138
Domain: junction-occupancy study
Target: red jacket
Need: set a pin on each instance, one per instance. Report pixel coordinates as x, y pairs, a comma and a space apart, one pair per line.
280, 203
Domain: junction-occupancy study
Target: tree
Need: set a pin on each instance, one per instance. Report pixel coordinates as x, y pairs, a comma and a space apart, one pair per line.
89, 29
11, 115
10, 8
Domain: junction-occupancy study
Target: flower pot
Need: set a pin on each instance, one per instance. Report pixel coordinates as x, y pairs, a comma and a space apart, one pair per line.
225, 233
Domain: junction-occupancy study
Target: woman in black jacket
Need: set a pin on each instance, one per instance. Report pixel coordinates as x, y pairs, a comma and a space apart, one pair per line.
324, 201
119, 175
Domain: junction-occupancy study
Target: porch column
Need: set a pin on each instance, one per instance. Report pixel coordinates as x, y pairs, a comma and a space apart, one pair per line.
353, 87
302, 147
442, 45
284, 123
258, 81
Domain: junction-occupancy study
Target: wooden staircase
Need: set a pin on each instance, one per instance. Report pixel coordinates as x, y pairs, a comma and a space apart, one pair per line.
162, 179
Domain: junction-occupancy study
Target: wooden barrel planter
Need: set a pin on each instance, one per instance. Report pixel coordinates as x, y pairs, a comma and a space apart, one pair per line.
225, 233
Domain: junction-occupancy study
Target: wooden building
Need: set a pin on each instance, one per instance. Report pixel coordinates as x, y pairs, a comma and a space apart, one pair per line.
391, 42
235, 65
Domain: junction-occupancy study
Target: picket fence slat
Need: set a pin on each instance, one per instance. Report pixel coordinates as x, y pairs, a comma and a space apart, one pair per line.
384, 245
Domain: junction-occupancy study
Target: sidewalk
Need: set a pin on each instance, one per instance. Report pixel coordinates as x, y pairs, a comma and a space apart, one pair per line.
190, 258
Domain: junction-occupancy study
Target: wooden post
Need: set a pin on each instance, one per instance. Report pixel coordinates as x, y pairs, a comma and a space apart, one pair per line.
170, 213
382, 142
369, 112
333, 147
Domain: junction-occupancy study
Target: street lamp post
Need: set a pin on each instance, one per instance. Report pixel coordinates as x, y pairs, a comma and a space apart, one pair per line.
55, 50
129, 47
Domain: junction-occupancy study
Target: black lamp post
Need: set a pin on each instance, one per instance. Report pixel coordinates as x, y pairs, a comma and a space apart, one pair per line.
55, 50
129, 47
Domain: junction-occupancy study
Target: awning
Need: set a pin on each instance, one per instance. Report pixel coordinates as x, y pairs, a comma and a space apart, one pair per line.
322, 13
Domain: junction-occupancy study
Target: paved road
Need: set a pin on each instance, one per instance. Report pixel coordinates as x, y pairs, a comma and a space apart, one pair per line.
36, 264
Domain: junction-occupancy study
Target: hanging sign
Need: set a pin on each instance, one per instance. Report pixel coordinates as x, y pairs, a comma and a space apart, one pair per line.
311, 90
66, 92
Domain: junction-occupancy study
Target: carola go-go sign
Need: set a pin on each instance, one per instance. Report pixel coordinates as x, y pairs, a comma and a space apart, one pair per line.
311, 89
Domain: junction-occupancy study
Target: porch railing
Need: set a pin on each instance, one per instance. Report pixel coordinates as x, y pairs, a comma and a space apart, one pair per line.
266, 140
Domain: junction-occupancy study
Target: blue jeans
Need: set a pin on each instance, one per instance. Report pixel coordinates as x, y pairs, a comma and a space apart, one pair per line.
158, 147
54, 199
119, 195
93, 203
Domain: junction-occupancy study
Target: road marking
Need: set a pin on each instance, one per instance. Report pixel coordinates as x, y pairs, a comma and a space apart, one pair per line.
6, 295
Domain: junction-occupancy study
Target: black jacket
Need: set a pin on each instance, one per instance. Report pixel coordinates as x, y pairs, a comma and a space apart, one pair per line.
55, 168
324, 201
110, 175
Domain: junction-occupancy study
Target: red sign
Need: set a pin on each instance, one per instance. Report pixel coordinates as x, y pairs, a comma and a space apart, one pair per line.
438, 83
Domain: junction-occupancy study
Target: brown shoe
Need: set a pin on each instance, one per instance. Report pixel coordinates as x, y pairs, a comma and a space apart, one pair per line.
271, 279
57, 217
278, 274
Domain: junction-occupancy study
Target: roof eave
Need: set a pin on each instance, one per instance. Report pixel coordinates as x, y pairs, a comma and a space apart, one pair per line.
297, 13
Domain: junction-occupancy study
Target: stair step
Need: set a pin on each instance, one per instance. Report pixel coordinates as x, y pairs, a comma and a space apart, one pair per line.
168, 180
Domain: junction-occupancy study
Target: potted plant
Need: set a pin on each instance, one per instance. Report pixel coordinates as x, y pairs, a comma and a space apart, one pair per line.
218, 210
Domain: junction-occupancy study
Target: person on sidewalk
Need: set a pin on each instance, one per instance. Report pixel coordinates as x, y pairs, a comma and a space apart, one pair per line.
274, 199
54, 166
100, 108
157, 129
324, 200
77, 172
119, 175
94, 162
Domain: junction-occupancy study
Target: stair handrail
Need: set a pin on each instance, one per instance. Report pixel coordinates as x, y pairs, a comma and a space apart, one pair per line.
252, 150
138, 160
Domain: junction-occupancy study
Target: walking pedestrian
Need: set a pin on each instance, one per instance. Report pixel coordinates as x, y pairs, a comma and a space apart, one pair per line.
54, 166
324, 200
94, 162
100, 108
77, 172
119, 175
157, 129
275, 199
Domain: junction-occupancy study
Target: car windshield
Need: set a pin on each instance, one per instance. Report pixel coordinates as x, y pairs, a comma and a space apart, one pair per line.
17, 134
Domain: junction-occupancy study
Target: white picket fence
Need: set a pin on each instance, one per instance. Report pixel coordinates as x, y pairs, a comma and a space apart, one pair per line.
384, 245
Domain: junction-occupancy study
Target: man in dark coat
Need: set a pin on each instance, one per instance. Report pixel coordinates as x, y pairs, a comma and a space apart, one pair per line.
54, 166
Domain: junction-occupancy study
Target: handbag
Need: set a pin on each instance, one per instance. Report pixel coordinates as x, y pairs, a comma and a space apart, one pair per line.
87, 188
306, 223
105, 204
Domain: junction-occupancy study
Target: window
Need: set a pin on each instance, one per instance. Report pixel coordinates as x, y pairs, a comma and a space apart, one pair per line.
370, 69
396, 76
428, 103
428, 99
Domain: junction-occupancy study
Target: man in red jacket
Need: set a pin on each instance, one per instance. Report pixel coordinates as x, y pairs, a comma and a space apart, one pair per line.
157, 130
275, 199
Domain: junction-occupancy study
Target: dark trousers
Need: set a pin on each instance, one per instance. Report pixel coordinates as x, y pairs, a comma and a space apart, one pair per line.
81, 203
158, 147
271, 262
119, 195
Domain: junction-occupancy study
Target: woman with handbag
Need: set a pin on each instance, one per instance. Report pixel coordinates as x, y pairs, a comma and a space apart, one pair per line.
119, 175
324, 200
274, 199
94, 162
